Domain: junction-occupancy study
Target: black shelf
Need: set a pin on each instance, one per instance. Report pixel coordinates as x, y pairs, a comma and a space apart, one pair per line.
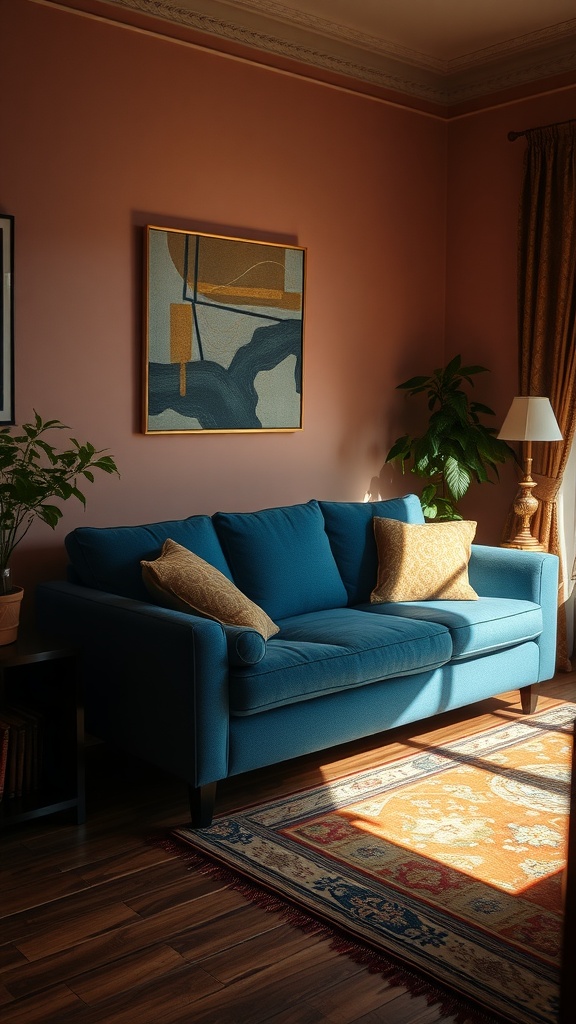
41, 675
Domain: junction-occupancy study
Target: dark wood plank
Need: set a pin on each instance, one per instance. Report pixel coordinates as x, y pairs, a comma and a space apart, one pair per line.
221, 934
361, 995
46, 1007
114, 943
97, 925
126, 974
74, 930
259, 995
130, 888
261, 951
164, 998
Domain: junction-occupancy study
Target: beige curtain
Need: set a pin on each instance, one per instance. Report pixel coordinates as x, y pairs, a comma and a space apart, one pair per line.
547, 318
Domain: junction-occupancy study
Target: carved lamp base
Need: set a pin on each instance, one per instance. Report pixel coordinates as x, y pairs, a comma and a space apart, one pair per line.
525, 505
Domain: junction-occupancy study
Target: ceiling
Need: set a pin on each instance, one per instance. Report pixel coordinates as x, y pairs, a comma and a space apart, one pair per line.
443, 51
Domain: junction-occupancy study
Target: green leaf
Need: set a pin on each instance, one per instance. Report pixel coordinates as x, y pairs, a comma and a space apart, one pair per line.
428, 494
106, 463
414, 382
456, 447
33, 473
400, 449
452, 367
78, 494
478, 407
468, 371
430, 511
49, 514
457, 478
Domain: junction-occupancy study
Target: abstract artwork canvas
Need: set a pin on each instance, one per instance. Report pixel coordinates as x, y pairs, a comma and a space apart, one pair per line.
7, 319
224, 333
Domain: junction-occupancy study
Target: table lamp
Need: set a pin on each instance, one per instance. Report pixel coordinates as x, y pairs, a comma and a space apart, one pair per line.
529, 419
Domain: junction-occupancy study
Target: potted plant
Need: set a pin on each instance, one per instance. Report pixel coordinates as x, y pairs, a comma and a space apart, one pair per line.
457, 447
32, 474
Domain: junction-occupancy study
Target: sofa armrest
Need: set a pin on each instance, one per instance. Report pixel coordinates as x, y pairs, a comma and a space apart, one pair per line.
509, 572
155, 680
525, 576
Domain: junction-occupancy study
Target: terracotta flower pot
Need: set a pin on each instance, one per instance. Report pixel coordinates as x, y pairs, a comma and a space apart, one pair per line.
10, 615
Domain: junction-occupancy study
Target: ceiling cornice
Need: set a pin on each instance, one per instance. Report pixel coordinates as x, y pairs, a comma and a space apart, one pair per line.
541, 39
275, 29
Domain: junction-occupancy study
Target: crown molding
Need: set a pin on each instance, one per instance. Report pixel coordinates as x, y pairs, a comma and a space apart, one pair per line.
275, 29
329, 30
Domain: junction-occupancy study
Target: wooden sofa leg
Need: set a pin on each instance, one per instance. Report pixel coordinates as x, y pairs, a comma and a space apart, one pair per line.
202, 801
529, 699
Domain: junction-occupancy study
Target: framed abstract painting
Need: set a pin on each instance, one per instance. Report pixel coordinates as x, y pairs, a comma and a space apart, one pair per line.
224, 322
7, 319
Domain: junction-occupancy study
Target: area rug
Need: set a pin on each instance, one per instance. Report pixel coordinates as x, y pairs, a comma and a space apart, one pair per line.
447, 861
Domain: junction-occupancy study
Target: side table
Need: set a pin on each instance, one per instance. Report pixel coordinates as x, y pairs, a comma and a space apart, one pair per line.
40, 677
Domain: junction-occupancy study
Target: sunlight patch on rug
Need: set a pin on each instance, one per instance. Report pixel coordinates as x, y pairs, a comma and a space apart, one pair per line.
449, 860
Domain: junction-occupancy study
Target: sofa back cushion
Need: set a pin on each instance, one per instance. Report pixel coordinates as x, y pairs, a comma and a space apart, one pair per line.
108, 558
351, 533
281, 559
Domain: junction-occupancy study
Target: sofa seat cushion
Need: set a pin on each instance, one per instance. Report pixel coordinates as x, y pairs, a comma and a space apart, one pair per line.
476, 627
329, 651
281, 559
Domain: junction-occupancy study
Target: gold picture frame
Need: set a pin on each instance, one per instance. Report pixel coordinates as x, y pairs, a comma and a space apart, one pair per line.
224, 325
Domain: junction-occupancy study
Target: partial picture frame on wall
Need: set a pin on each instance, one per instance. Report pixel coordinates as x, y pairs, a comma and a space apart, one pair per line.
7, 319
224, 329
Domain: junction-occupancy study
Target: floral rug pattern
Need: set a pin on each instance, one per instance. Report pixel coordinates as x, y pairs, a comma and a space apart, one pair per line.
449, 860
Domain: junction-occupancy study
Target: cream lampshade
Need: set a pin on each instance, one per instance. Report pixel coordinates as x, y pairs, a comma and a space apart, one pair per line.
529, 419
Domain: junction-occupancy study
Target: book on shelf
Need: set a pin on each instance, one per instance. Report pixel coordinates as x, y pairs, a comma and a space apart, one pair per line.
32, 747
24, 737
14, 785
4, 744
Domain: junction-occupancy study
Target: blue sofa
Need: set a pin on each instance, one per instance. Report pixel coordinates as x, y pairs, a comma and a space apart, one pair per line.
205, 701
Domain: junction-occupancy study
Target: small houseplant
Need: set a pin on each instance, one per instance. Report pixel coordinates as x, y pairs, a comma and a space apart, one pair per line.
32, 474
457, 447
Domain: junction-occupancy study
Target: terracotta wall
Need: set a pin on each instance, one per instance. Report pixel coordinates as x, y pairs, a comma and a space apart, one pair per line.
484, 180
107, 129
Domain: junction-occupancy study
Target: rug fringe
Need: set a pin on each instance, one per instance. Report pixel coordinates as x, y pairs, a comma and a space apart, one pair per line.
396, 974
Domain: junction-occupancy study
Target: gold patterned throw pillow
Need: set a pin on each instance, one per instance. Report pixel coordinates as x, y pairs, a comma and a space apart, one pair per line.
423, 561
181, 580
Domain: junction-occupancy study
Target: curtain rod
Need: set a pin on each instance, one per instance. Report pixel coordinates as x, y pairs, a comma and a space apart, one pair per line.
512, 136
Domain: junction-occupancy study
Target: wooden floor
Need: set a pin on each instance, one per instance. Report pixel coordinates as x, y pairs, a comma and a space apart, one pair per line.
96, 924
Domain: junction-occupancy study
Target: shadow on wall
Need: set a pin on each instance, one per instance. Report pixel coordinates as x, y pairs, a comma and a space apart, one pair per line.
389, 484
488, 506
